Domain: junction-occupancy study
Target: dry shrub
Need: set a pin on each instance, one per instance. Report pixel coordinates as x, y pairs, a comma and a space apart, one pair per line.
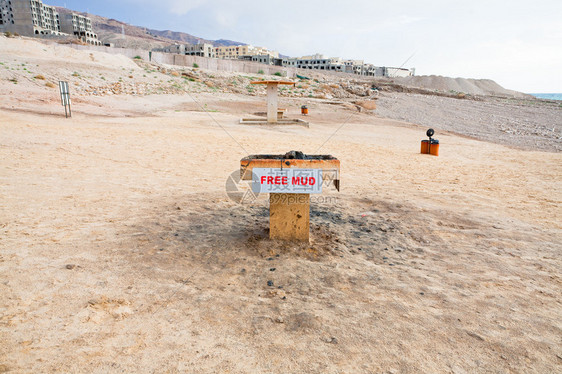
130, 76
335, 86
50, 85
326, 87
175, 74
40, 77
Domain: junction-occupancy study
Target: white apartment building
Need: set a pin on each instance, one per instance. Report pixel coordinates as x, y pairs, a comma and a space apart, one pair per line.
237, 51
79, 26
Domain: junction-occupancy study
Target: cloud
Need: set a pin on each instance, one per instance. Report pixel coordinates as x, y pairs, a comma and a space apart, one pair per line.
516, 42
173, 7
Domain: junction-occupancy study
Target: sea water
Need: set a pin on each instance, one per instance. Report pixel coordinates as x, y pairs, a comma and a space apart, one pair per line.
549, 96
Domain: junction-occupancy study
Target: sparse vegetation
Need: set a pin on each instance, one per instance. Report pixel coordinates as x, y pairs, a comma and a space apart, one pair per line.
175, 74
278, 74
137, 57
195, 65
75, 74
13, 80
260, 72
50, 85
40, 77
8, 34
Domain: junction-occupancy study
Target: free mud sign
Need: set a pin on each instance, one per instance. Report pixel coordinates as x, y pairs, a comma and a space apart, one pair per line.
277, 180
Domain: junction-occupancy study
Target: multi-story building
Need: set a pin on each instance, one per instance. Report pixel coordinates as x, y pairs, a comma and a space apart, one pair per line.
6, 15
203, 50
79, 26
29, 18
319, 62
178, 49
235, 52
33, 18
289, 62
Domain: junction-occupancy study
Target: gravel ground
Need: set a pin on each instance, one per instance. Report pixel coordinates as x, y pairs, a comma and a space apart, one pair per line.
527, 124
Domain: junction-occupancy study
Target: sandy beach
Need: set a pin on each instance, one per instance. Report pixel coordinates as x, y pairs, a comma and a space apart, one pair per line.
120, 250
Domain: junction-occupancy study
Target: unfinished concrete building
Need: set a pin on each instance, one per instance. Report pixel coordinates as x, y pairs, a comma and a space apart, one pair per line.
33, 18
178, 49
289, 62
202, 50
319, 62
235, 52
79, 26
29, 18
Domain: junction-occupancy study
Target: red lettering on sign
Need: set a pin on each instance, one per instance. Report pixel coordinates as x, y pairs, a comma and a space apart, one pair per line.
277, 180
262, 179
311, 181
295, 181
284, 180
270, 180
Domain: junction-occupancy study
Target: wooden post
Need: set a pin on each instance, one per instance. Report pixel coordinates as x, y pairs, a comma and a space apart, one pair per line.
271, 102
289, 216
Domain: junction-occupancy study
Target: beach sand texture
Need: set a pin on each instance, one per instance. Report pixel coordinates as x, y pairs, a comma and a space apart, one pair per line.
120, 250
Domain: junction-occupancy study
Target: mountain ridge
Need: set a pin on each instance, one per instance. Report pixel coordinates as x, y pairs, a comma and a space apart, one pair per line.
125, 35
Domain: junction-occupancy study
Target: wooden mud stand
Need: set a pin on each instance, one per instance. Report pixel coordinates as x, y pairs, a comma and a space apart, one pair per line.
289, 213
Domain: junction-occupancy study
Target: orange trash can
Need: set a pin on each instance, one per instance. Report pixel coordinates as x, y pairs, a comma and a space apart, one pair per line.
434, 147
424, 147
430, 148
304, 109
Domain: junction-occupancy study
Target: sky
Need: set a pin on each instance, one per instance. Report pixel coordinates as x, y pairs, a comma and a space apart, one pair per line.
516, 43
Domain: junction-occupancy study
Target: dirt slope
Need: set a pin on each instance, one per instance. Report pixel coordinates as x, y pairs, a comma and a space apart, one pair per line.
461, 85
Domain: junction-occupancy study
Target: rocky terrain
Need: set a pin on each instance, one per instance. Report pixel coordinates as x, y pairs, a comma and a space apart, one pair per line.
500, 115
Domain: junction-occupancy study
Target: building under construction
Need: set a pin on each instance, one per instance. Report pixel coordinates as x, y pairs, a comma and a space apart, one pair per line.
33, 18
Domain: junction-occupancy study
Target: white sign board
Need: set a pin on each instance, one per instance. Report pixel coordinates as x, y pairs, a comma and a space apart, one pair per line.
277, 180
64, 93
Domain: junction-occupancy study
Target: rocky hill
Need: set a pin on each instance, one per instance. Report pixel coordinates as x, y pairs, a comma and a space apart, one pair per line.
459, 85
124, 35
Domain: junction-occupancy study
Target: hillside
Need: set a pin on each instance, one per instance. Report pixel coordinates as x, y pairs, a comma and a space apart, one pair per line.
458, 85
111, 31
